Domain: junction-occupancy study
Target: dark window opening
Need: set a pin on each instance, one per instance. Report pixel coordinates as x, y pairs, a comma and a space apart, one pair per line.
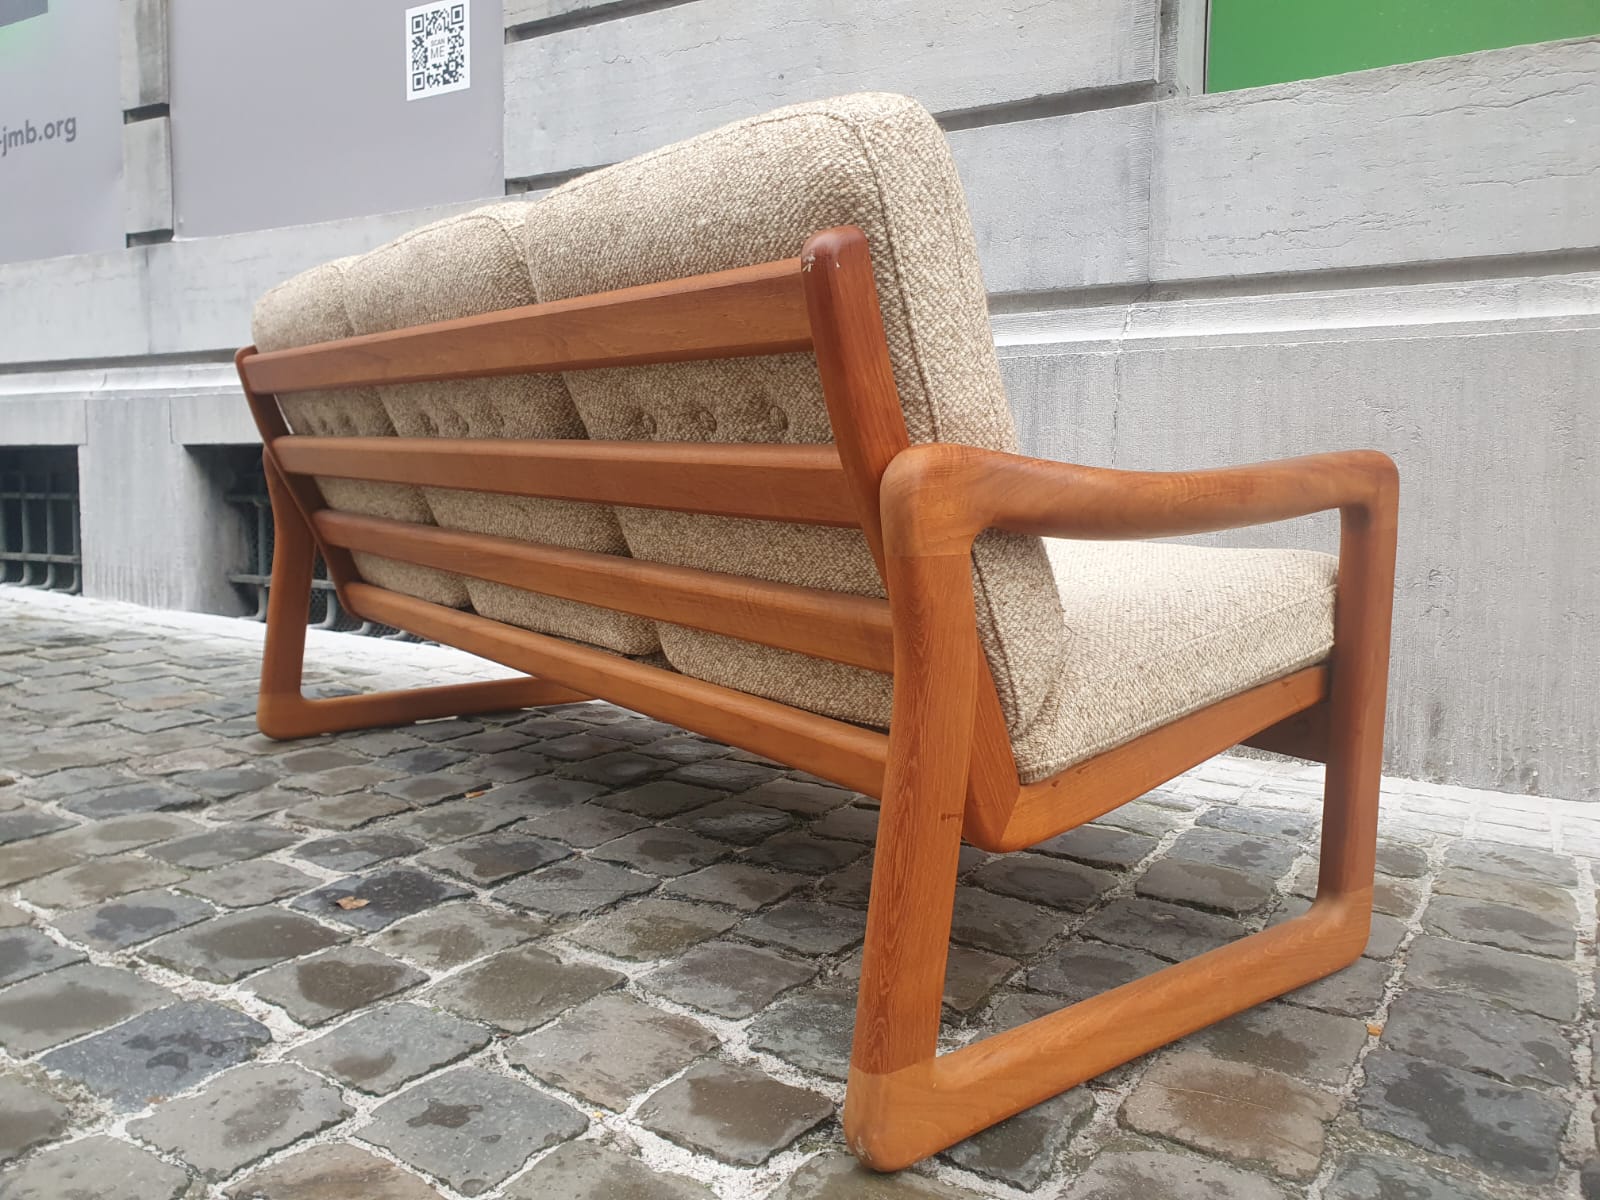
40, 543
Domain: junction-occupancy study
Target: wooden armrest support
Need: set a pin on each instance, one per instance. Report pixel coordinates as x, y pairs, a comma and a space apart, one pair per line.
935, 496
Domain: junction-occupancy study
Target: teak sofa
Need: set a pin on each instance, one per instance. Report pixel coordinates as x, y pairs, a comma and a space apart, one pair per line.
671, 434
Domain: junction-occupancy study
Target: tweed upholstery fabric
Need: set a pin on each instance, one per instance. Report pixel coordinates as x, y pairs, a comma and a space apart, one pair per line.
1155, 630
311, 308
458, 267
751, 192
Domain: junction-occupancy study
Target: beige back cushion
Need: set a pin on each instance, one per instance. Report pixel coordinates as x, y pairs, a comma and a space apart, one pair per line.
752, 192
311, 308
458, 267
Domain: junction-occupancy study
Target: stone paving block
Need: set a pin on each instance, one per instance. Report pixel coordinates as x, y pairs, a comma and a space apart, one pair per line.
585, 825
492, 857
520, 989
1356, 991
684, 748
1122, 1174
736, 884
316, 758
1043, 880
29, 1116
805, 853
252, 805
148, 796
1170, 931
834, 1175
506, 766
431, 789
378, 1051
25, 953
573, 887
381, 898
1077, 970
1531, 984
733, 821
335, 982
118, 834
79, 781
1239, 1112
1517, 862
540, 795
221, 783
969, 976
1461, 1031
346, 812
811, 1030
1100, 846
662, 851
726, 978
457, 933
574, 747
160, 1053
803, 798
1542, 898
471, 1128
1510, 1131
95, 1168
1507, 926
29, 860
336, 1171
233, 946
1256, 822
11, 915
50, 1009
805, 926
591, 1171
338, 781
1141, 816
1300, 1042
1400, 859
1205, 885
660, 799
453, 820
732, 775
1002, 924
247, 884
88, 883
1022, 1150
219, 847
617, 768
29, 823
652, 929
611, 1049
131, 919
242, 1116
732, 1112
1366, 1176
853, 822
356, 851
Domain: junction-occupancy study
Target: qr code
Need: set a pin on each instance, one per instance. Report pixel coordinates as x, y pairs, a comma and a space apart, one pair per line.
437, 41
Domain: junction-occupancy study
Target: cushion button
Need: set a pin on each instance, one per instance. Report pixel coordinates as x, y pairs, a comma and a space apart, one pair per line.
647, 424
778, 419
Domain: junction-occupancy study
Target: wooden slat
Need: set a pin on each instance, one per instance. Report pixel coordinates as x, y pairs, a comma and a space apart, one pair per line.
748, 311
775, 483
823, 624
846, 754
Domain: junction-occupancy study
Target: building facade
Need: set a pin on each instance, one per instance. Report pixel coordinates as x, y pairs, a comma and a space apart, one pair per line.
1405, 256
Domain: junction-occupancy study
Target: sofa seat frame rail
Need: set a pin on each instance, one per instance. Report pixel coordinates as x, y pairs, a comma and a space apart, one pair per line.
945, 770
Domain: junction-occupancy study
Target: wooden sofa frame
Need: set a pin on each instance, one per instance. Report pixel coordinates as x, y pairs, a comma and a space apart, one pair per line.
944, 771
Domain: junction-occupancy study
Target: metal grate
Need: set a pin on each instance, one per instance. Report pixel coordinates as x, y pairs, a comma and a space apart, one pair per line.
39, 529
246, 491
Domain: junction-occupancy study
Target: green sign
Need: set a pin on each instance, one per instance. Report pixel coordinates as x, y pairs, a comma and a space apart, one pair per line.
1256, 42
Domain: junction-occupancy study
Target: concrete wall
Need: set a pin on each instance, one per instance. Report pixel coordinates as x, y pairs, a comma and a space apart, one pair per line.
1406, 258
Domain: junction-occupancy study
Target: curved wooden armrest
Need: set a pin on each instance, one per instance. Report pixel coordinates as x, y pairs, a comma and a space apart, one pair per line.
937, 495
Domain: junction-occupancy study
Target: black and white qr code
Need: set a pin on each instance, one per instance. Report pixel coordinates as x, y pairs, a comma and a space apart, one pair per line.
437, 44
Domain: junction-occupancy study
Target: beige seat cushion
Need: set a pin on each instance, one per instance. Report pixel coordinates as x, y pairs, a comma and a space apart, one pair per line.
1155, 630
458, 267
752, 192
311, 308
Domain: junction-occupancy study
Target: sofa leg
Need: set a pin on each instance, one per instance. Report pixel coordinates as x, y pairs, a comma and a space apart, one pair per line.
283, 711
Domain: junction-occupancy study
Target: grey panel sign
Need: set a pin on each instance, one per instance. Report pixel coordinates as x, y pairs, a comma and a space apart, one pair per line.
304, 110
60, 129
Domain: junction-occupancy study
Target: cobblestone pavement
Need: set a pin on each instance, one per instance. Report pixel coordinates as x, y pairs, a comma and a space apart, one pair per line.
579, 953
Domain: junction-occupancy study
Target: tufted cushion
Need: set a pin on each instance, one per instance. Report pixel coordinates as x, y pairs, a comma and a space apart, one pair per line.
473, 263
311, 308
753, 192
1155, 630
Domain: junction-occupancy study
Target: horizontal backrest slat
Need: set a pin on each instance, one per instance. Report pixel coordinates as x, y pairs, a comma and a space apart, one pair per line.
748, 311
764, 482
832, 625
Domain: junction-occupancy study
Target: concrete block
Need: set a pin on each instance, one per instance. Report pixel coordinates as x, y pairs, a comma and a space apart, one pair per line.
41, 421
599, 93
143, 52
1489, 154
532, 12
147, 175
